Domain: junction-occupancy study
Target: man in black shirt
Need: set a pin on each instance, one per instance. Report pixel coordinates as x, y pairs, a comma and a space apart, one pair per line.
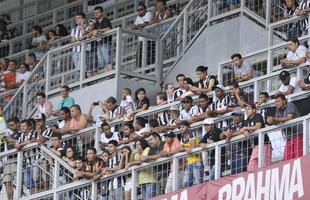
104, 50
212, 135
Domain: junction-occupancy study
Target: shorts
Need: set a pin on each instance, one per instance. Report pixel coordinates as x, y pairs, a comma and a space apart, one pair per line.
10, 169
128, 185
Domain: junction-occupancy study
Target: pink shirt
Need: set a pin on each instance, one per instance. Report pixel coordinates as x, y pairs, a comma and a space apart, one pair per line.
175, 145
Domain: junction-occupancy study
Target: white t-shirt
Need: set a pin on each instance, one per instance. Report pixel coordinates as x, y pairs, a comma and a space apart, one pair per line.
142, 131
300, 52
141, 20
104, 139
188, 115
126, 104
294, 83
20, 76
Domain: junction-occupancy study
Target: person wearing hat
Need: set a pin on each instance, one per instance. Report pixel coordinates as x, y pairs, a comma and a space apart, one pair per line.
296, 55
221, 106
212, 135
193, 174
243, 70
174, 113
189, 110
206, 82
289, 85
172, 145
305, 84
43, 133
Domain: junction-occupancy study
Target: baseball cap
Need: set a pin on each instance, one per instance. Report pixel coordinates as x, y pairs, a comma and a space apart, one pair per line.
174, 108
220, 86
208, 121
187, 99
284, 74
237, 111
39, 116
170, 134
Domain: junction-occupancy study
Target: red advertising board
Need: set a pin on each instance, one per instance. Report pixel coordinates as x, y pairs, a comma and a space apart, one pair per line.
288, 180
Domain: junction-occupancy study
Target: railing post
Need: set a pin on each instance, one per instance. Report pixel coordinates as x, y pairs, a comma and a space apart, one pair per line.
268, 9
48, 72
217, 165
56, 178
19, 176
144, 52
209, 11
25, 101
260, 149
85, 6
94, 190
134, 184
118, 53
305, 136
83, 62
159, 61
256, 92
185, 28
97, 138
175, 174
269, 52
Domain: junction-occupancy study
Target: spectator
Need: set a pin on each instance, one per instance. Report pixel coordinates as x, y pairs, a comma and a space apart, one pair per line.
4, 63
142, 101
51, 38
240, 151
194, 169
189, 110
37, 41
221, 106
162, 117
289, 85
129, 133
143, 18
45, 107
67, 101
174, 114
296, 55
9, 79
78, 120
93, 165
305, 84
260, 105
100, 117
10, 168
203, 108
172, 145
169, 90
111, 109
127, 104
80, 168
76, 35
286, 111
178, 92
125, 158
146, 177
243, 70
140, 127
237, 97
161, 12
65, 116
255, 122
104, 48
6, 18
157, 147
23, 74
4, 33
107, 135
61, 30
58, 147
294, 29
69, 156
32, 61
43, 133
190, 89
26, 137
206, 82
302, 10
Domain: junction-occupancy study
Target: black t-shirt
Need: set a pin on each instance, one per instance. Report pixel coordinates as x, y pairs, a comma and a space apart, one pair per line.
258, 118
104, 23
156, 150
214, 135
140, 104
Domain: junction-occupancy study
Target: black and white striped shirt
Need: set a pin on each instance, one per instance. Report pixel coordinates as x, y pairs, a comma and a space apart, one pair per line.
184, 115
303, 5
163, 118
177, 93
116, 182
30, 155
77, 33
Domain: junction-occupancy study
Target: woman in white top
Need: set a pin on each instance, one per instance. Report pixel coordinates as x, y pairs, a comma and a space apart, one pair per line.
43, 105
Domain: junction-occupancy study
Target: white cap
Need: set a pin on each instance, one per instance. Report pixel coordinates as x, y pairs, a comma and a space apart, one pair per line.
220, 86
208, 121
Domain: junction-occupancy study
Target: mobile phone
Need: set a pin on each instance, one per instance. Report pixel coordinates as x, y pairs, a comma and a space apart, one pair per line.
96, 103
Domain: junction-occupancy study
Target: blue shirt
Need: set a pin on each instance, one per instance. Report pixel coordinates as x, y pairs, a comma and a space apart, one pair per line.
68, 102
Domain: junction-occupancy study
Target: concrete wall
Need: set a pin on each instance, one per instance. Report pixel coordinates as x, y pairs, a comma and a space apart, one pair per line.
217, 43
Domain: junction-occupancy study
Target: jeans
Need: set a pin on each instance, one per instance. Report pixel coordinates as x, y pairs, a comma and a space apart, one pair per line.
29, 177
76, 57
238, 163
193, 174
148, 190
104, 54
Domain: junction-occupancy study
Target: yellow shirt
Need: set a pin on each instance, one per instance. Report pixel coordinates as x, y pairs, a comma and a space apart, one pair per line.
185, 142
145, 175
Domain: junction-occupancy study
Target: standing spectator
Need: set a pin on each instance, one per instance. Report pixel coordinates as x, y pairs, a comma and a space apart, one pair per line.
67, 101
43, 133
61, 30
189, 110
32, 61
45, 107
161, 12
23, 74
286, 111
80, 168
9, 79
127, 104
76, 34
162, 117
178, 92
305, 84
289, 85
243, 70
143, 18
212, 135
169, 90
104, 48
296, 55
4, 33
260, 105
107, 135
294, 29
37, 41
302, 10
206, 82
193, 174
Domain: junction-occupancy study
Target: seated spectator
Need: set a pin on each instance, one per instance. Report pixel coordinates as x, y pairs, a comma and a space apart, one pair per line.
78, 120
65, 116
70, 156
162, 117
61, 31
265, 111
127, 104
140, 127
111, 109
32, 61
206, 82
58, 147
142, 102
189, 110
240, 151
43, 133
190, 89
169, 90
179, 91
193, 174
161, 12
289, 85
129, 134
286, 111
237, 96
243, 70
172, 146
45, 107
22, 74
203, 108
305, 84
143, 18
212, 135
174, 114
255, 122
67, 101
296, 55
221, 106
51, 38
5, 34
37, 41
107, 135
146, 180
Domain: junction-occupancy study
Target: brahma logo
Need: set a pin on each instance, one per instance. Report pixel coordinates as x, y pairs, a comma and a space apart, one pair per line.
275, 186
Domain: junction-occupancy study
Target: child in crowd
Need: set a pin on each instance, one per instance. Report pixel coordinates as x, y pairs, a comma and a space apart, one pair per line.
127, 104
